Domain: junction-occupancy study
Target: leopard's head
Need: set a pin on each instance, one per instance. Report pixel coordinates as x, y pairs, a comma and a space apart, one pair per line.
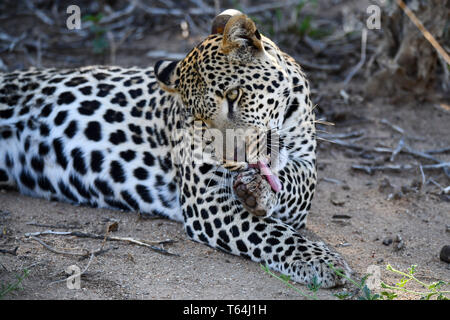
238, 79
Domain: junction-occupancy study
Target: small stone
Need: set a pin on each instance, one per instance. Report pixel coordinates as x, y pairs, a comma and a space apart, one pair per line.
341, 219
399, 244
387, 241
335, 200
445, 254
416, 185
395, 195
345, 244
405, 189
113, 227
341, 216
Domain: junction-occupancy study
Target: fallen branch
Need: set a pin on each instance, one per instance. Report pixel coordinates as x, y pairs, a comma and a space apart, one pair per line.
76, 275
53, 226
427, 35
40, 14
392, 126
51, 249
399, 129
405, 149
371, 169
436, 166
316, 66
361, 61
12, 252
399, 167
399, 148
345, 135
331, 180
144, 243
442, 150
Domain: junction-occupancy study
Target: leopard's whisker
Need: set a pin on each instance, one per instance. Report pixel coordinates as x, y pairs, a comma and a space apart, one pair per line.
324, 122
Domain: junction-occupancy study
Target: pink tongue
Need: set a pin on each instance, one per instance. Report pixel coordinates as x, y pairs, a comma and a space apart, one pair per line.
273, 180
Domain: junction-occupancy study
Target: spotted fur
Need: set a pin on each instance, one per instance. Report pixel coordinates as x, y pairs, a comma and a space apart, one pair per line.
107, 137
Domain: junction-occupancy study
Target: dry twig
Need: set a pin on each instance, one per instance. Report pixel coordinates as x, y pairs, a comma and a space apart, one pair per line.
12, 252
445, 166
51, 249
424, 31
361, 61
144, 243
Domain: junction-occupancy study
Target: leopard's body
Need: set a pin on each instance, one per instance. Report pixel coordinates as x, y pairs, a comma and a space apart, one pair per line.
107, 137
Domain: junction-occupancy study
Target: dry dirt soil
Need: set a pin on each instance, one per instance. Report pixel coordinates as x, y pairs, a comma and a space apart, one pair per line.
375, 208
128, 271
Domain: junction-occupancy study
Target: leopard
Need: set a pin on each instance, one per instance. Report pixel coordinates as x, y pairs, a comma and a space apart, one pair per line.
145, 139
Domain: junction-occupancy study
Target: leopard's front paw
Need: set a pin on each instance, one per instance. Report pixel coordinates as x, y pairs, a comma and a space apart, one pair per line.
255, 193
330, 271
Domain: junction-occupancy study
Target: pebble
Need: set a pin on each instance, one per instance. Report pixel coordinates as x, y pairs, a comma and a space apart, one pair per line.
345, 244
399, 242
445, 254
336, 200
341, 219
341, 216
387, 241
113, 227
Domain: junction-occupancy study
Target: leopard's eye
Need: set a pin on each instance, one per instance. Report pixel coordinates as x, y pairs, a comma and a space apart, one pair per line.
233, 94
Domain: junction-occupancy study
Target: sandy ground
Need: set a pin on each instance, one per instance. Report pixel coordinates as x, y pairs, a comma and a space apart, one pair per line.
131, 272
128, 271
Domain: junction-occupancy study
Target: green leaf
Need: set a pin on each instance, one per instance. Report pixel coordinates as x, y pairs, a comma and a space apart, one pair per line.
442, 297
364, 279
402, 282
367, 293
278, 14
305, 25
389, 295
342, 295
412, 269
95, 18
315, 285
265, 267
376, 296
436, 285
100, 44
285, 277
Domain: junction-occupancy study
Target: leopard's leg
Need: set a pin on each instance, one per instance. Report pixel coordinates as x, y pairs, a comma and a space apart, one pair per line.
298, 178
220, 221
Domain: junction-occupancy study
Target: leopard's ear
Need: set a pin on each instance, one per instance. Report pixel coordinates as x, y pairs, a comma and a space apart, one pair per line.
219, 22
167, 73
241, 39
